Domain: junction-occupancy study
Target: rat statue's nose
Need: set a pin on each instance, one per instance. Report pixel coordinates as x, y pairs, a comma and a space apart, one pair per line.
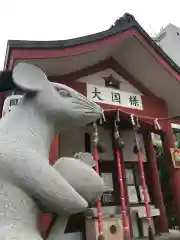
100, 112
97, 109
97, 112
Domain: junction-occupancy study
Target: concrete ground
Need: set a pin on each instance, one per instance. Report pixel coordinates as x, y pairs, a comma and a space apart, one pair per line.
169, 236
172, 235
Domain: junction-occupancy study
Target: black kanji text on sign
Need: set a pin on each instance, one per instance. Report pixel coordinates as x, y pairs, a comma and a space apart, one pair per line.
97, 94
134, 101
13, 102
116, 97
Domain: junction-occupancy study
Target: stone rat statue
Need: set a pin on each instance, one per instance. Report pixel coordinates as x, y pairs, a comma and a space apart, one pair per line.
25, 138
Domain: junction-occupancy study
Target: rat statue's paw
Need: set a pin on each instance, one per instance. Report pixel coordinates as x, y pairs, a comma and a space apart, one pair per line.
79, 174
85, 157
81, 177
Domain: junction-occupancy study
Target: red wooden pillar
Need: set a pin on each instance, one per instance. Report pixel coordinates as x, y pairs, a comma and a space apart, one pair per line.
169, 142
54, 151
45, 219
157, 197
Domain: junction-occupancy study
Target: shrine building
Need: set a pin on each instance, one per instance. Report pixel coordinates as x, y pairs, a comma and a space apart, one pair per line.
131, 78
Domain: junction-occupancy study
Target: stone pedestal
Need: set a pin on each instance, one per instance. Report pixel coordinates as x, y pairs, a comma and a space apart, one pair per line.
112, 228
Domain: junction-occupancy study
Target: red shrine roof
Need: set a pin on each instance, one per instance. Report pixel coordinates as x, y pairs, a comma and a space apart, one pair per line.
121, 25
125, 47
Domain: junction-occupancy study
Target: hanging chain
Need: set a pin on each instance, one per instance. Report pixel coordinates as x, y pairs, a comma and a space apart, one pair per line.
157, 125
95, 134
125, 217
96, 159
141, 168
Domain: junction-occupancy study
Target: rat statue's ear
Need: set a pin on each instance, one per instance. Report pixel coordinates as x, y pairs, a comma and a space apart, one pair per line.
29, 77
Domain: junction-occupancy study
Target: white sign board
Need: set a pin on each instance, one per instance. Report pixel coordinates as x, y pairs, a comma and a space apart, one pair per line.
129, 176
175, 126
142, 195
132, 194
108, 181
11, 102
114, 97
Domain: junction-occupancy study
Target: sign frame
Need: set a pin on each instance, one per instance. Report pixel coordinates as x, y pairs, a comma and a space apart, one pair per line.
115, 97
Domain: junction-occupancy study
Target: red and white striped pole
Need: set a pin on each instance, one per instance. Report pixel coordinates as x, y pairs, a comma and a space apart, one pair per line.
125, 219
143, 180
96, 158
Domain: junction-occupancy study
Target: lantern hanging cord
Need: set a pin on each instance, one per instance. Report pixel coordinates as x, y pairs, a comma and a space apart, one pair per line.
140, 116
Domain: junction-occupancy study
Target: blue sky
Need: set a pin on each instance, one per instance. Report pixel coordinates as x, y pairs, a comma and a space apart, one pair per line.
57, 19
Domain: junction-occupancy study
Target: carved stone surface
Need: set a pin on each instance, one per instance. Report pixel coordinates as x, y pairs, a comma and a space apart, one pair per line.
25, 173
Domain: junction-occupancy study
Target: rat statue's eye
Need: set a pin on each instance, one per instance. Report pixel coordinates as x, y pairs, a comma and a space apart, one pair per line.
64, 93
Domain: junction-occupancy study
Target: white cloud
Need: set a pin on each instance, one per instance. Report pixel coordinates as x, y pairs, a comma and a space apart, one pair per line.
57, 19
